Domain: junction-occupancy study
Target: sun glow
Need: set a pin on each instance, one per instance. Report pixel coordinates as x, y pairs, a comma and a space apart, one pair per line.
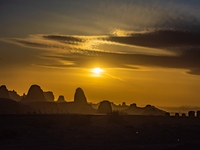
97, 71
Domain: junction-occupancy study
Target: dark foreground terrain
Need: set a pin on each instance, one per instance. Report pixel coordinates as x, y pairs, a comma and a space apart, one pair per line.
60, 132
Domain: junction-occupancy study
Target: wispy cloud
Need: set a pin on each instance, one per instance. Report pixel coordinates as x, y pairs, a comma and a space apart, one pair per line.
114, 77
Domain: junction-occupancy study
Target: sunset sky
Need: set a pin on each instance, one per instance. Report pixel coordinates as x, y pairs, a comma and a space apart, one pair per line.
148, 50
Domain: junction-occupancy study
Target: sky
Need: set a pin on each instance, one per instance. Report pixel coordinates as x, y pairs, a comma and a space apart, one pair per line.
149, 50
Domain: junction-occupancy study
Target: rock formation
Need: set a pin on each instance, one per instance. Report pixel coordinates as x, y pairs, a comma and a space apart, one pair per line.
191, 113
198, 113
134, 105
177, 115
79, 97
124, 104
4, 92
147, 110
118, 107
167, 114
134, 110
183, 115
35, 94
14, 96
104, 107
49, 96
152, 110
61, 99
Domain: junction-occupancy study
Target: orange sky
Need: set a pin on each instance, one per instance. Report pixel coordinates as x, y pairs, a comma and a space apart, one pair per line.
149, 51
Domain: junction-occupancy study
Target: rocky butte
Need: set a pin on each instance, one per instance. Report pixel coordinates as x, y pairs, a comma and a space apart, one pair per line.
61, 99
104, 107
49, 96
79, 97
35, 94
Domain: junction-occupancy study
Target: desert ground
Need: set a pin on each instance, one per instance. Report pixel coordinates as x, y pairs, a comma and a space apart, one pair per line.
113, 131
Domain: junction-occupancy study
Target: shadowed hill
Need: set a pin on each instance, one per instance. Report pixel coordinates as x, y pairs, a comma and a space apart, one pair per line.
61, 99
79, 97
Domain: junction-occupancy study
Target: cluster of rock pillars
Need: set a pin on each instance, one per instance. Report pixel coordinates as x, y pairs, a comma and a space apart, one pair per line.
40, 102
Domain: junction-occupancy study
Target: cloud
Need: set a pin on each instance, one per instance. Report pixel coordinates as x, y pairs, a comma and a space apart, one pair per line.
194, 71
167, 39
155, 48
64, 39
140, 15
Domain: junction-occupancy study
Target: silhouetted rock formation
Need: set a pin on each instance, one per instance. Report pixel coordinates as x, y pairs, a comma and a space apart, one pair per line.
49, 96
38, 101
134, 110
79, 97
167, 114
14, 96
80, 106
147, 110
35, 99
134, 105
35, 94
152, 110
198, 113
61, 99
4, 92
95, 106
177, 115
118, 107
104, 107
191, 113
124, 104
183, 115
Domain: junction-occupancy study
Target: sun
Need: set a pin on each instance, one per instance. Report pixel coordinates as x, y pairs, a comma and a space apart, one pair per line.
97, 71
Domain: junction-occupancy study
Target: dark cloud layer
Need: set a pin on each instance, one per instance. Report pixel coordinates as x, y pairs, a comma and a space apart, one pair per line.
161, 39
